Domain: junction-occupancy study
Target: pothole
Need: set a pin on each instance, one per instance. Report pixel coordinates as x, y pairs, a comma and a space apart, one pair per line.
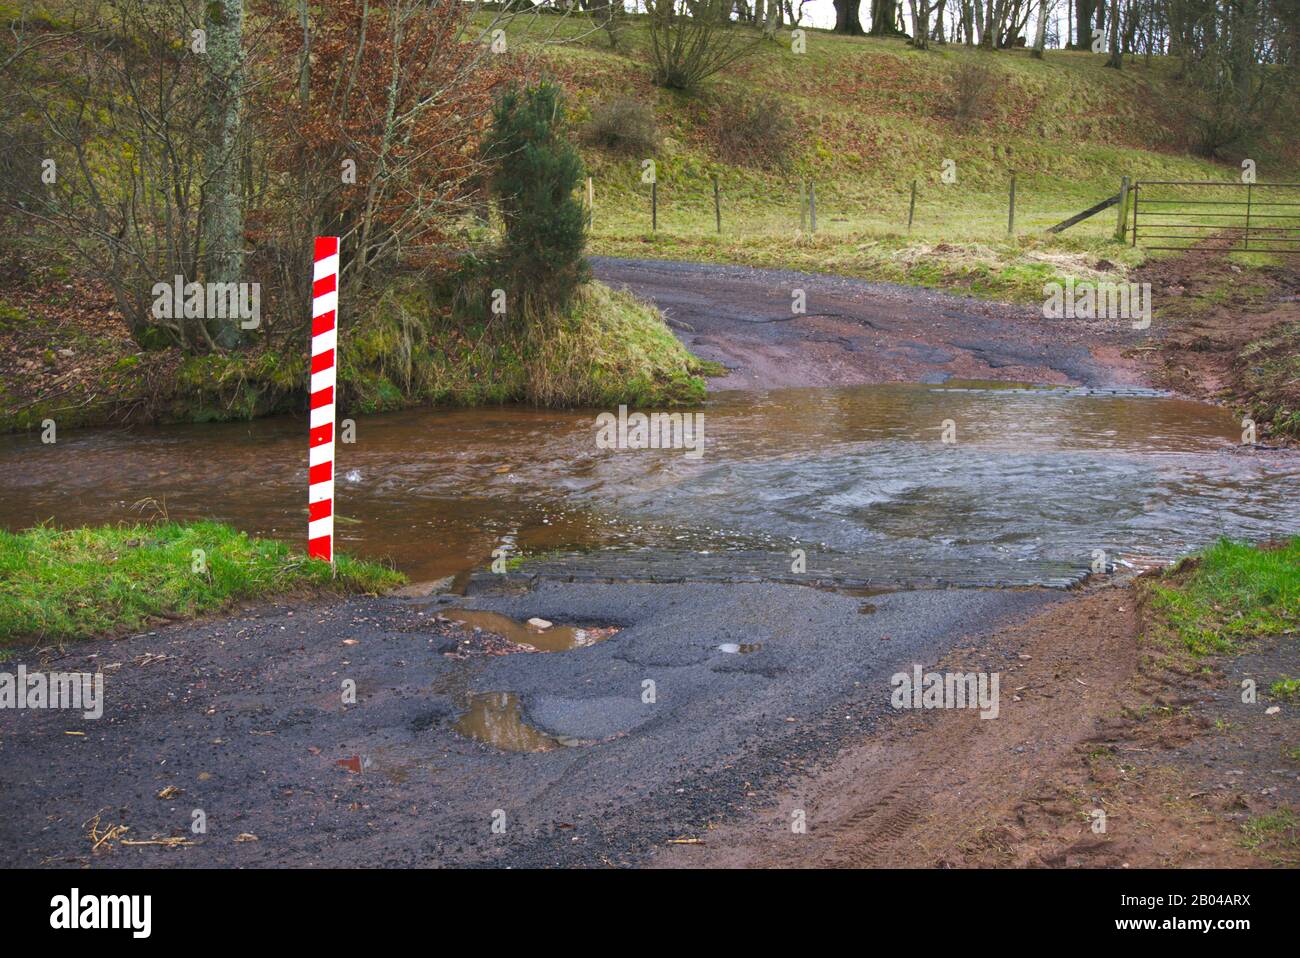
496, 719
530, 636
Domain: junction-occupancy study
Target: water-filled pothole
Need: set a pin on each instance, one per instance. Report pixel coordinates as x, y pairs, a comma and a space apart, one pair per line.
552, 638
496, 719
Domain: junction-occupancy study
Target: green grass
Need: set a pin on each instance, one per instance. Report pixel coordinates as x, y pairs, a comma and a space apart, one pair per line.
606, 348
1286, 688
1229, 593
60, 584
873, 116
1277, 831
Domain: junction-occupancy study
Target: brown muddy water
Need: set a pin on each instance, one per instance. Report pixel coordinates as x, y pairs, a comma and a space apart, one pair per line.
857, 477
556, 638
496, 718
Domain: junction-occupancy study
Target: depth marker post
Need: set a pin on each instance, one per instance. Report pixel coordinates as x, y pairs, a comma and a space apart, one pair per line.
324, 344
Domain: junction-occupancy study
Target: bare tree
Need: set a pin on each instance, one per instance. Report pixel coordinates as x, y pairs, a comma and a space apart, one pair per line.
691, 40
921, 13
772, 20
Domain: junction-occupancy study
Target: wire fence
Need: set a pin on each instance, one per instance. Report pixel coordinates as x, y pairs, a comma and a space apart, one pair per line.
815, 208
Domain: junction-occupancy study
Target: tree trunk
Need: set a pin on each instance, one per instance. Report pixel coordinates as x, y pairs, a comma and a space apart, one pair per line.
1040, 38
884, 19
1116, 60
1130, 44
773, 19
1083, 23
920, 24
990, 25
223, 209
846, 17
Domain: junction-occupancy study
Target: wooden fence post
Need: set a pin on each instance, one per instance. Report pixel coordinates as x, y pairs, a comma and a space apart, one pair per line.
1121, 223
654, 206
717, 203
591, 205
1011, 208
812, 206
911, 208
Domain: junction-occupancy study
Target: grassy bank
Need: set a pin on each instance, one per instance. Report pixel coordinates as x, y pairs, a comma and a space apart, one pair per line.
864, 118
1270, 374
1228, 331
1229, 593
77, 364
61, 584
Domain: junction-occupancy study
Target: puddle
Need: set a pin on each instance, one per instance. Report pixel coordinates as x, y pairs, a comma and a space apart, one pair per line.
558, 638
740, 648
496, 719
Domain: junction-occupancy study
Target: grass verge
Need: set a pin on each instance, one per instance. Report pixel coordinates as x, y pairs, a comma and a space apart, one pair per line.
1228, 593
61, 584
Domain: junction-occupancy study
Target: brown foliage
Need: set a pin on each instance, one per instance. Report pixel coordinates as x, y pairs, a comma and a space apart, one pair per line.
402, 94
971, 95
756, 131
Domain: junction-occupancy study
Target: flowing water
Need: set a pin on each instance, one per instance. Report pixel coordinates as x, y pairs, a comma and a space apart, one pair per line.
857, 477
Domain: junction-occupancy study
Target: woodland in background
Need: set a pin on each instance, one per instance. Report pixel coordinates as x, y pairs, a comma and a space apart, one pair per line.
213, 141
150, 139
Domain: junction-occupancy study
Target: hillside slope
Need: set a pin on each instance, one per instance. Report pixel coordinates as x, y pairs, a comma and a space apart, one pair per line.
866, 118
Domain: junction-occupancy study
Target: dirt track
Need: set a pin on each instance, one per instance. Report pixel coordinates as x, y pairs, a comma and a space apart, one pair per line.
1101, 757
856, 332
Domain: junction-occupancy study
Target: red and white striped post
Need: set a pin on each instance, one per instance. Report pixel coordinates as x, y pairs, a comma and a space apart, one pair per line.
320, 455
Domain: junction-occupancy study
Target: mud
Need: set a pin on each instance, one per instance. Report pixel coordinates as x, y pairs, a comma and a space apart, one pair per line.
1098, 759
857, 332
1209, 312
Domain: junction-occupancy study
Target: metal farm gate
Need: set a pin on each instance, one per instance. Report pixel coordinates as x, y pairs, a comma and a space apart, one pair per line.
1217, 215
